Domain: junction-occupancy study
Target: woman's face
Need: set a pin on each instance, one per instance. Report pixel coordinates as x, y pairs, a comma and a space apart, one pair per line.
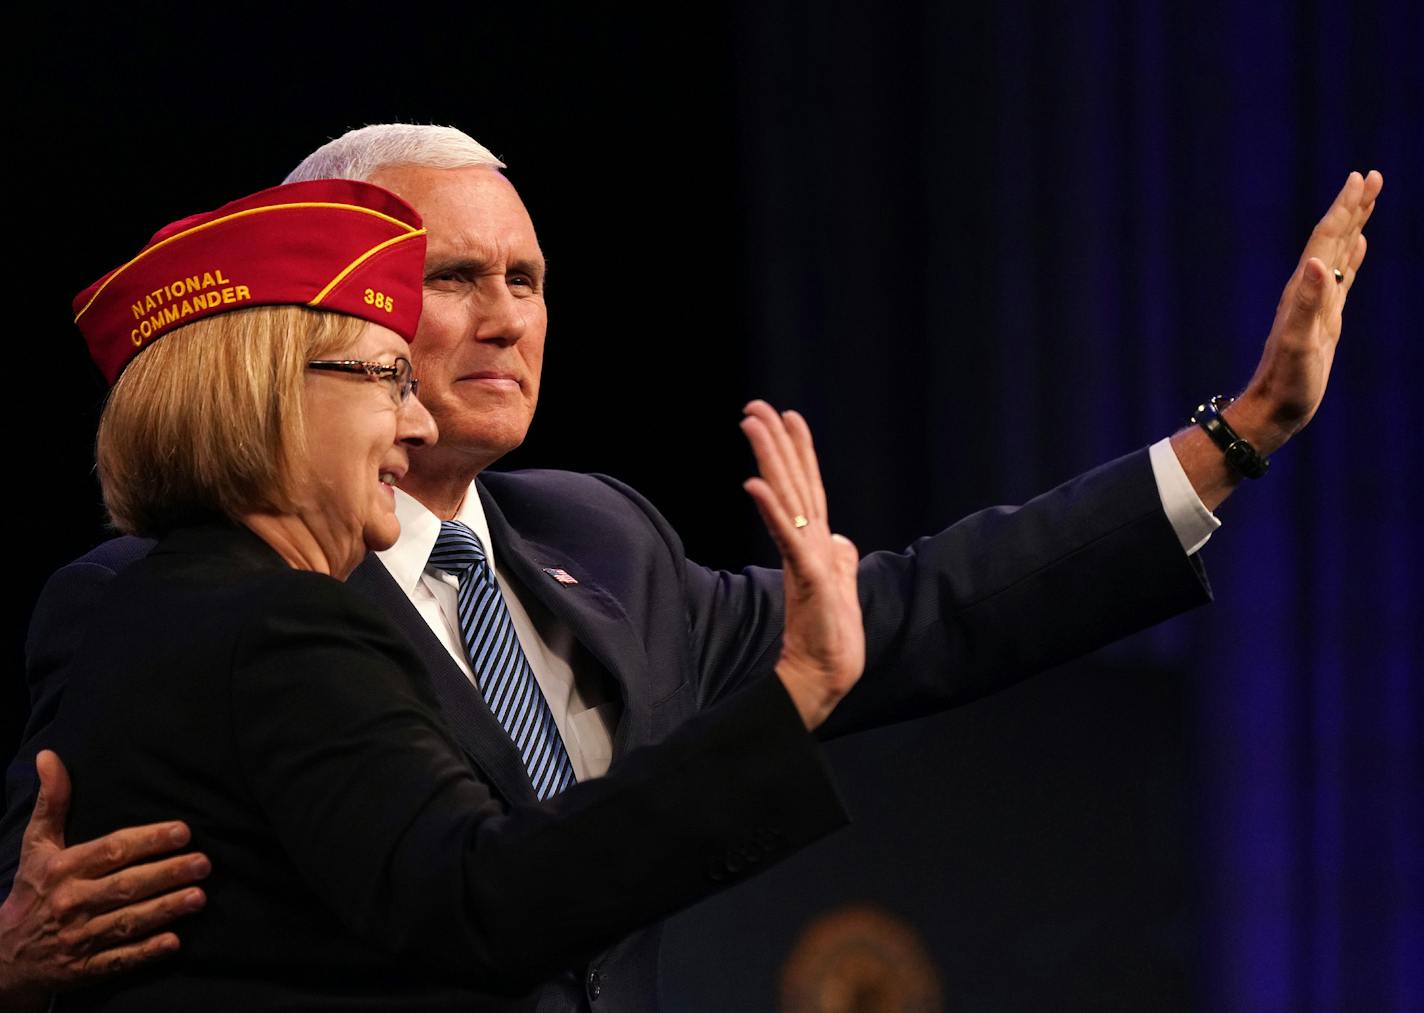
358, 437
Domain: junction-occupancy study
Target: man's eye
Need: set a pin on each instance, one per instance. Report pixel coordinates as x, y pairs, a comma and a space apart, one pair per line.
521, 279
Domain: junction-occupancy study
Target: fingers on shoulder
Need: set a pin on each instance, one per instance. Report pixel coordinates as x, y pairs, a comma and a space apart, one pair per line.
138, 921
52, 799
140, 882
124, 847
120, 959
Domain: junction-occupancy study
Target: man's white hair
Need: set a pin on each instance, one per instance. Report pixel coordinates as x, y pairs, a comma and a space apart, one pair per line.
361, 153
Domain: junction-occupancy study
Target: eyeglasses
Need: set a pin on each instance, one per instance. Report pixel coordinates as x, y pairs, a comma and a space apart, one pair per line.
403, 385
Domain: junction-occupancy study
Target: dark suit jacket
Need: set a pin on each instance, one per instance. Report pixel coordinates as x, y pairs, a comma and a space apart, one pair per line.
1003, 593
355, 852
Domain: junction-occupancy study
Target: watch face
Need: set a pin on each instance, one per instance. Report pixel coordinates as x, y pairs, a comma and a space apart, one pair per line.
1242, 458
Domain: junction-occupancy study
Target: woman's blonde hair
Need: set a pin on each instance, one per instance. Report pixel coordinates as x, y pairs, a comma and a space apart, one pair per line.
209, 419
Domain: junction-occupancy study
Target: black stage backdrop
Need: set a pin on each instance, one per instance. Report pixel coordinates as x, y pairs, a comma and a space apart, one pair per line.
983, 248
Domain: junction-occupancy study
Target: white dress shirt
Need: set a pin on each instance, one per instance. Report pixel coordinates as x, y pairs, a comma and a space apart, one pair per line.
584, 711
1190, 518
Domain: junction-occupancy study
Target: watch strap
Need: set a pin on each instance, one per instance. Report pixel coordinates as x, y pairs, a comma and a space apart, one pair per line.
1241, 457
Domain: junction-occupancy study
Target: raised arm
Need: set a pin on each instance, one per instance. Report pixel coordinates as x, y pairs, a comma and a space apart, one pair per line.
823, 648
1009, 591
1289, 383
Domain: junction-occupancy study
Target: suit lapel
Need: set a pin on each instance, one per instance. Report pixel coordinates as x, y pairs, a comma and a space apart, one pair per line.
469, 719
591, 612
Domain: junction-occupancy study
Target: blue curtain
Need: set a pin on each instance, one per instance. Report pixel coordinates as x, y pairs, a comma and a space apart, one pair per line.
1015, 240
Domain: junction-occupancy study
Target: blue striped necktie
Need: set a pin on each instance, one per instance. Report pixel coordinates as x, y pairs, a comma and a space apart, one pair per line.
501, 670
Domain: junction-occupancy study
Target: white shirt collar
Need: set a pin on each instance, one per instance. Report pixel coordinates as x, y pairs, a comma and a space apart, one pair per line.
406, 560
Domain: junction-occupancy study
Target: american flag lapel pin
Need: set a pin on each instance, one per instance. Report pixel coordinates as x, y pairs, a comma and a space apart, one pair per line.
561, 575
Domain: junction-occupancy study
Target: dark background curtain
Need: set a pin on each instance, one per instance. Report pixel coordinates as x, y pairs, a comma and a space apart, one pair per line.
982, 248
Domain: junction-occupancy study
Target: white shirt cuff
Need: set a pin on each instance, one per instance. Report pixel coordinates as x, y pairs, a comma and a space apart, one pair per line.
1189, 517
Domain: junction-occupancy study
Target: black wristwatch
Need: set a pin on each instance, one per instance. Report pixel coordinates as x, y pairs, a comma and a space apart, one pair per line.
1241, 457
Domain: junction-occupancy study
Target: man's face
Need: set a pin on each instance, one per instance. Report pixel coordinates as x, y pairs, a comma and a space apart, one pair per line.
480, 344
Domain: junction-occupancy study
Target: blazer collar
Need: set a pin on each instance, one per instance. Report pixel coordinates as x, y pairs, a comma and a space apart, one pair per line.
468, 718
221, 537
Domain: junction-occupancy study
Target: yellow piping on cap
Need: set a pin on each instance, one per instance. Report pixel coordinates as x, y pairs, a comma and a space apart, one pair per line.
359, 260
410, 231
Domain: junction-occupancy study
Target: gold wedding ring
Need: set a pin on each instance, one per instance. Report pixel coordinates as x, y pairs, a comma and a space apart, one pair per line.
800, 520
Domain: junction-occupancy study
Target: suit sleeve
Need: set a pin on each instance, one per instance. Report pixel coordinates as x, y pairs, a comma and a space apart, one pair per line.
998, 596
61, 614
341, 746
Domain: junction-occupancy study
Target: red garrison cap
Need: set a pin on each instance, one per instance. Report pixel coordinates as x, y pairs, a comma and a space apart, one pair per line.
332, 244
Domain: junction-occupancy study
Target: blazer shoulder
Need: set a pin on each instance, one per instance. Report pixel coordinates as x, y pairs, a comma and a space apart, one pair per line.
549, 487
74, 587
68, 599
117, 553
286, 595
547, 500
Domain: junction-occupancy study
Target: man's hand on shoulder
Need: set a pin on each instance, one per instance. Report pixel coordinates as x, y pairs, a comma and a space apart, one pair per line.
80, 913
1290, 381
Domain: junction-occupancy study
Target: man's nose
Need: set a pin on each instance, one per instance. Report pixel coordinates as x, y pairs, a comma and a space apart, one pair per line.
500, 317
